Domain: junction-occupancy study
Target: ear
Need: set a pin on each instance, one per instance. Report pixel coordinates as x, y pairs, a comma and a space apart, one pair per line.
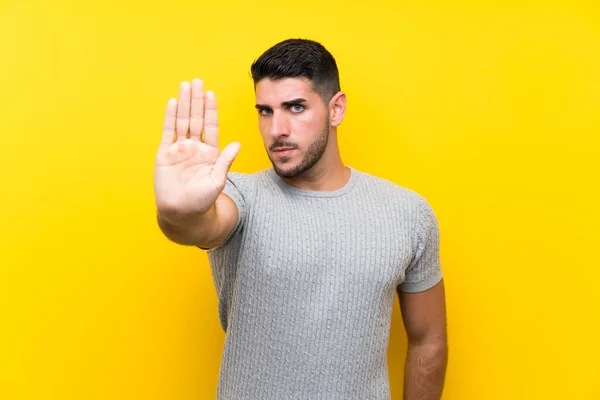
337, 108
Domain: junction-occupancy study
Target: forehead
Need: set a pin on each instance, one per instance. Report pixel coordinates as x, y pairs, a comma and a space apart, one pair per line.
276, 91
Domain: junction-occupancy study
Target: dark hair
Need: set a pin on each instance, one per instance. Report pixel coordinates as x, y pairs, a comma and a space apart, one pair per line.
294, 58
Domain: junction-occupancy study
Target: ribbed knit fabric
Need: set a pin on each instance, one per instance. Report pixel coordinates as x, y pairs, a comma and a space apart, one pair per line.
306, 285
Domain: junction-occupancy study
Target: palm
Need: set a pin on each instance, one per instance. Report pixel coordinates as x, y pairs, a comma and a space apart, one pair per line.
191, 172
190, 168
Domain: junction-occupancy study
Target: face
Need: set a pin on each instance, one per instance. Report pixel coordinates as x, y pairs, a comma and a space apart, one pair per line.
294, 124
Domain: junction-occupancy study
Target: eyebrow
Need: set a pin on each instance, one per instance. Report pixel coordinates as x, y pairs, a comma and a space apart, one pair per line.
284, 104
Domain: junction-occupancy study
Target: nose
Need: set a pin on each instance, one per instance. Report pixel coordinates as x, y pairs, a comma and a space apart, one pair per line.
279, 125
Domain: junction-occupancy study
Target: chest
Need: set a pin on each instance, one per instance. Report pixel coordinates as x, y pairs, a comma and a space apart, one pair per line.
321, 243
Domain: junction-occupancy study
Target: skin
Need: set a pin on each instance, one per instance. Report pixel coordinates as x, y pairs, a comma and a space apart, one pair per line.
424, 318
292, 114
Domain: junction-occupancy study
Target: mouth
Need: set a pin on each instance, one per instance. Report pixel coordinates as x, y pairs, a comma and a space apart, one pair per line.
284, 151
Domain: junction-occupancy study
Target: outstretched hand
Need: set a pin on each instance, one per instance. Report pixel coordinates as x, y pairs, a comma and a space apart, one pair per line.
190, 170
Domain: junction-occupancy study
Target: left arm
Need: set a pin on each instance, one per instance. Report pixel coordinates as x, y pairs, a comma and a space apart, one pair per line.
424, 318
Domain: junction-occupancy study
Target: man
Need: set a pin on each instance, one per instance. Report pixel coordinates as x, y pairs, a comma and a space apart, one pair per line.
306, 256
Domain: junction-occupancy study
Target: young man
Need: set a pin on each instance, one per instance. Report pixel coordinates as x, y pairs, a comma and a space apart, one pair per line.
306, 256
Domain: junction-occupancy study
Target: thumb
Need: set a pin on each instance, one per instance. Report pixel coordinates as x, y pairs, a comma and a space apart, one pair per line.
223, 163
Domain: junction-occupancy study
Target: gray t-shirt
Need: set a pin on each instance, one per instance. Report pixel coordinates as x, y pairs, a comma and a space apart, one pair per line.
306, 284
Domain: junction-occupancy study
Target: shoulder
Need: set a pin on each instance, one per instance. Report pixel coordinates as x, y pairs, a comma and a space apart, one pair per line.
248, 184
391, 191
244, 180
398, 198
247, 177
241, 177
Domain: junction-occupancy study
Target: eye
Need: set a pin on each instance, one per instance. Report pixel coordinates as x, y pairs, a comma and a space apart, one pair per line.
296, 108
264, 112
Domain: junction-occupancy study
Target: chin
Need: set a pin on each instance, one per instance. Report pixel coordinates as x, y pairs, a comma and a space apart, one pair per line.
288, 169
298, 164
288, 172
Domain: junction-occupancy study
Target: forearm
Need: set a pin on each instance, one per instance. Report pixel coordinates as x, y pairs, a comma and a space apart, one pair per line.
193, 229
425, 371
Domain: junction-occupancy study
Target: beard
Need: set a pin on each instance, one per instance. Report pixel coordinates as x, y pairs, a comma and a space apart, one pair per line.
313, 155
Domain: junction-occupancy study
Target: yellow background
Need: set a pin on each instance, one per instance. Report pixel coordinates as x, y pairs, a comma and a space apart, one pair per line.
488, 109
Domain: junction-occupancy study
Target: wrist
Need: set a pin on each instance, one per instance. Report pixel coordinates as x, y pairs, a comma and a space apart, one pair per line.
180, 219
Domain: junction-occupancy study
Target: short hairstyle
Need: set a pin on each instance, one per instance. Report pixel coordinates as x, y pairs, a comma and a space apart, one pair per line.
295, 58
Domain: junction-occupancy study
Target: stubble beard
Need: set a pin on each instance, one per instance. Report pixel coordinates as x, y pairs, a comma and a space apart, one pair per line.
313, 155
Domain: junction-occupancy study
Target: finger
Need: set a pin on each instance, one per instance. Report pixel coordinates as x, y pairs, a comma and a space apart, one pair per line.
211, 121
197, 109
168, 135
183, 111
223, 163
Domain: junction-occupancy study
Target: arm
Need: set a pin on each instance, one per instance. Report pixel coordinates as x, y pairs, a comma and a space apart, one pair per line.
204, 230
191, 172
424, 318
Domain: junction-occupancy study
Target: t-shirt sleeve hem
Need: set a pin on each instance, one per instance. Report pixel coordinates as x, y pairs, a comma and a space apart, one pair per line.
422, 285
235, 228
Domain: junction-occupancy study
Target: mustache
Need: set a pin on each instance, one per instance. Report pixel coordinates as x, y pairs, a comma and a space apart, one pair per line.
279, 144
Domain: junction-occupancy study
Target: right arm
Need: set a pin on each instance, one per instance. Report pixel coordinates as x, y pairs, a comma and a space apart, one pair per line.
203, 230
191, 172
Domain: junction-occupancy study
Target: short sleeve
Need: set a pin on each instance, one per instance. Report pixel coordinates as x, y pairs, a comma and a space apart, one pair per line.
424, 270
240, 189
224, 259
